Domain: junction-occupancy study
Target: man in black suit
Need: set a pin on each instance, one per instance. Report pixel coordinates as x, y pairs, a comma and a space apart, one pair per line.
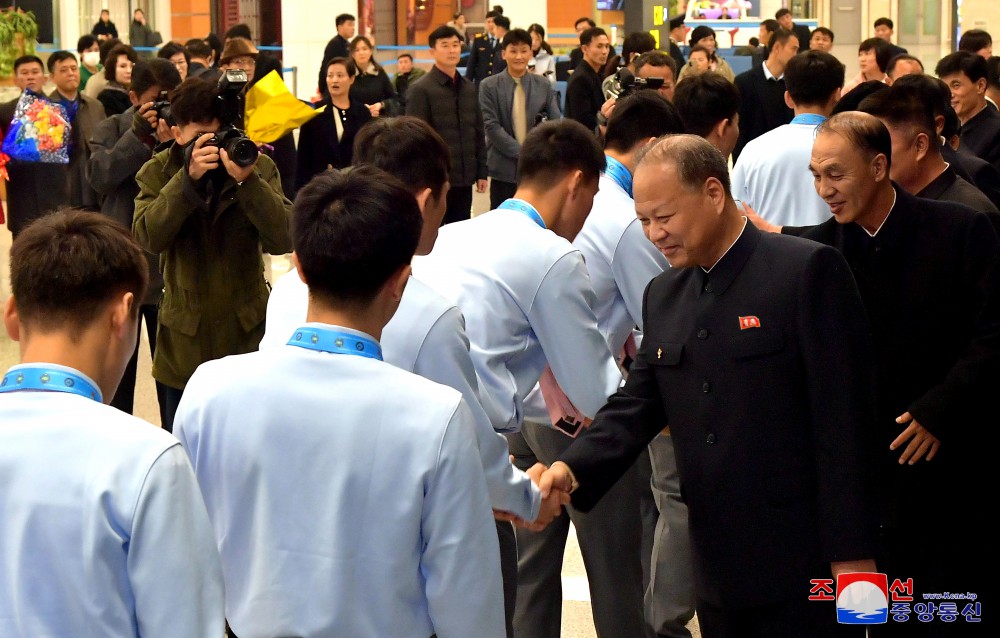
765, 383
801, 31
883, 31
762, 91
928, 274
965, 74
677, 32
584, 96
486, 55
337, 47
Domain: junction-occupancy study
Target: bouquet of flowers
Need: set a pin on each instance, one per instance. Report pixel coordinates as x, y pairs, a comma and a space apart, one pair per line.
39, 132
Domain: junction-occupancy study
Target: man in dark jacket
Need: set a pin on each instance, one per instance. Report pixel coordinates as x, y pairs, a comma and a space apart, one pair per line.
486, 54
448, 102
337, 47
120, 146
762, 91
965, 73
584, 96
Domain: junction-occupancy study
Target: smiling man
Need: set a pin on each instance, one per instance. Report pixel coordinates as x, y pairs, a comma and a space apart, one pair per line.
965, 73
766, 384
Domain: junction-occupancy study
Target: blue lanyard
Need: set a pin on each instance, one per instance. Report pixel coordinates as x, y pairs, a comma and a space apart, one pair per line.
49, 380
524, 207
335, 342
617, 171
808, 118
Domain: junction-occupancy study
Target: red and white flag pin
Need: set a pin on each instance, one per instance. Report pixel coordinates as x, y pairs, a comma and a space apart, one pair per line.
749, 321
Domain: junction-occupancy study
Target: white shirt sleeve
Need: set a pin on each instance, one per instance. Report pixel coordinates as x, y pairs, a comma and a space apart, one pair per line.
460, 561
562, 317
738, 181
444, 358
636, 262
173, 563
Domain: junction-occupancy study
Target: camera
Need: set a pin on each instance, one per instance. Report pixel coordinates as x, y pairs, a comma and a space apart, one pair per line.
162, 108
230, 136
625, 83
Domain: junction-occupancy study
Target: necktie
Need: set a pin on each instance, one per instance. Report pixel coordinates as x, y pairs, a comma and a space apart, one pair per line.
519, 112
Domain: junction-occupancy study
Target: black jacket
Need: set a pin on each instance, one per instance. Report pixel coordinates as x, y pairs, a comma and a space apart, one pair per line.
974, 170
949, 187
762, 106
318, 145
981, 135
484, 60
105, 28
451, 107
369, 89
337, 47
584, 97
765, 383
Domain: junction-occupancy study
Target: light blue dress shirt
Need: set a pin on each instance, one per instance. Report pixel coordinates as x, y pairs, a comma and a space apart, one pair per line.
348, 501
427, 337
527, 299
104, 532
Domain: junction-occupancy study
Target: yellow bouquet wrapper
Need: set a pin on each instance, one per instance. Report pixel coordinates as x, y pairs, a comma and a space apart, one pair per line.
272, 110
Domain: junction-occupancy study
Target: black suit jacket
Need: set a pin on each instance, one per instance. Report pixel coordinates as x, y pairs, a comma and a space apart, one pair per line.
337, 47
803, 34
981, 135
584, 96
762, 106
318, 145
765, 383
929, 280
675, 53
976, 171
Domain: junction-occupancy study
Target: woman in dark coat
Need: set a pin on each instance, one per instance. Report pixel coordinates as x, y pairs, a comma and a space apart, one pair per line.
118, 72
372, 86
327, 140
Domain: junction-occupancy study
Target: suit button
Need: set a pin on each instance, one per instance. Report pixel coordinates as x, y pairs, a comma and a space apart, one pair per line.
706, 387
708, 287
703, 334
710, 439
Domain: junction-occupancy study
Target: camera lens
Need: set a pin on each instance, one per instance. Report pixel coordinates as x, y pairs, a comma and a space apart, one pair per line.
242, 151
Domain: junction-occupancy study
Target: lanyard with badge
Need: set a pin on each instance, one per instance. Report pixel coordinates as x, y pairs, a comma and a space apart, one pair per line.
335, 342
47, 379
619, 174
525, 208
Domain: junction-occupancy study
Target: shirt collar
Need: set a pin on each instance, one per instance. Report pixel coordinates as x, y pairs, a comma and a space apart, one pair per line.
880, 226
939, 184
723, 273
770, 76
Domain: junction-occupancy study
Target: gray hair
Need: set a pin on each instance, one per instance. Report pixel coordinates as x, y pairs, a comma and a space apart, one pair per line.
695, 159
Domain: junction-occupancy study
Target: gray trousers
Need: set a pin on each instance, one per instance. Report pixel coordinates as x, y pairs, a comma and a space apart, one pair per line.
610, 538
670, 599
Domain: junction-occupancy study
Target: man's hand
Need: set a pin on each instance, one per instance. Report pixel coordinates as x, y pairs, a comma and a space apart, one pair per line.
852, 567
203, 158
922, 444
608, 107
480, 185
237, 172
163, 132
556, 477
375, 109
759, 221
150, 115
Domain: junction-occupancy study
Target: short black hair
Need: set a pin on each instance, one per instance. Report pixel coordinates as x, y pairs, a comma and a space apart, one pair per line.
865, 133
590, 23
557, 147
884, 22
194, 101
901, 107
392, 143
347, 63
342, 18
770, 25
28, 59
160, 72
784, 11
781, 36
58, 57
492, 15
443, 32
352, 230
515, 37
883, 51
66, 265
655, 58
827, 32
637, 43
952, 124
974, 40
111, 61
106, 47
215, 42
85, 42
502, 21
404, 55
754, 41
241, 30
850, 100
929, 90
972, 65
198, 48
902, 57
593, 32
639, 116
993, 72
704, 100
170, 49
812, 77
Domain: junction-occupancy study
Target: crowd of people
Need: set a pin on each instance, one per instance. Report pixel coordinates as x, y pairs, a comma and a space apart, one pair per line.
741, 329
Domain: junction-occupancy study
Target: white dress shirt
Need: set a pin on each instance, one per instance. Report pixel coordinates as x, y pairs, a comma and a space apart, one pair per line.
427, 337
104, 531
527, 300
347, 501
772, 176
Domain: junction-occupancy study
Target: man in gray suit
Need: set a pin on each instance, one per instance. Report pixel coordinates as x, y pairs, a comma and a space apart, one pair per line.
512, 101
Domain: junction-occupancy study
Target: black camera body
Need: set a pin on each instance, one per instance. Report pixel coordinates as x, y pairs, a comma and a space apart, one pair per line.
629, 83
230, 136
162, 108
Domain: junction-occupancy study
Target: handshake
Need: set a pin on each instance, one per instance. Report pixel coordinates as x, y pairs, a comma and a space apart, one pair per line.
555, 483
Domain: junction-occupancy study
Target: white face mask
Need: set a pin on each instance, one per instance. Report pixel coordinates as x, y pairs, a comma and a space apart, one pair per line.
91, 58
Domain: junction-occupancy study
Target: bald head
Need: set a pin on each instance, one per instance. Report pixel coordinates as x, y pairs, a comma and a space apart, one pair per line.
694, 159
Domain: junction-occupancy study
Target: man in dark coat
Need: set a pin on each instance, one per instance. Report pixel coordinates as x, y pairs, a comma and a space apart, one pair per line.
337, 47
965, 73
762, 91
584, 96
766, 384
486, 52
677, 29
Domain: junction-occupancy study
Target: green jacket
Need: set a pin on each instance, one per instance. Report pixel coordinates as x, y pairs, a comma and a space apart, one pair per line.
215, 296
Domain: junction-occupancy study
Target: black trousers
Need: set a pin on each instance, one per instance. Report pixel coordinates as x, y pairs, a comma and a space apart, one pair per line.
124, 398
797, 618
171, 399
459, 204
500, 191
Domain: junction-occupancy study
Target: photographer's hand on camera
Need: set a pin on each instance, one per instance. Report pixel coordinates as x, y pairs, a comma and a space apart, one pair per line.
237, 172
203, 158
149, 127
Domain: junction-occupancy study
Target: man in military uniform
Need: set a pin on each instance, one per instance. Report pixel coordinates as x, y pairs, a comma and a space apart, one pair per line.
486, 56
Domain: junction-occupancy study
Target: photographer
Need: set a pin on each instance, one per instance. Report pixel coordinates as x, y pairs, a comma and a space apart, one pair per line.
208, 217
120, 146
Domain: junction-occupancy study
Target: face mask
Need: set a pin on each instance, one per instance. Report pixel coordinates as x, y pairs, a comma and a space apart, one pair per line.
91, 58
